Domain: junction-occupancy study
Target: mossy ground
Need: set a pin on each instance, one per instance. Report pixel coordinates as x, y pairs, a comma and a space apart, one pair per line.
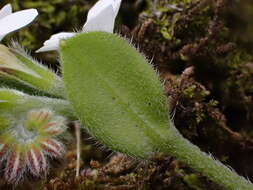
203, 52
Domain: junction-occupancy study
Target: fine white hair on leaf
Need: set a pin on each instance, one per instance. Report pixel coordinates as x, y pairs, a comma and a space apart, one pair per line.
17, 48
110, 155
247, 178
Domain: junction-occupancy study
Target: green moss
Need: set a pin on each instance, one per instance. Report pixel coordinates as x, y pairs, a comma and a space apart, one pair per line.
194, 182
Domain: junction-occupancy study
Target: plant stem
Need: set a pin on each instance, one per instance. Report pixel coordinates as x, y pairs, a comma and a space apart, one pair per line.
190, 154
78, 147
63, 107
16, 103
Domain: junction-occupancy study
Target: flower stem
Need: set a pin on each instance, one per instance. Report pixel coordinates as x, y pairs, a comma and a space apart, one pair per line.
60, 106
190, 154
78, 147
16, 102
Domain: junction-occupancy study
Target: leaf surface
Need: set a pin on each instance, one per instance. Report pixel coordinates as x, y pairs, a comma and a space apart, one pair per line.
115, 92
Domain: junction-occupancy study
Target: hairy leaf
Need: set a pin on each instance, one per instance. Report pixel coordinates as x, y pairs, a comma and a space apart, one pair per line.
115, 92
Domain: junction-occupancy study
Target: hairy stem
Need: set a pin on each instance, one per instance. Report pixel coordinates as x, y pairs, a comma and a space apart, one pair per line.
190, 154
78, 147
63, 107
16, 102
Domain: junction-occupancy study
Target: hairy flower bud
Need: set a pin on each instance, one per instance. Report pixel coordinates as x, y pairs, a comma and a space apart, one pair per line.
18, 68
27, 143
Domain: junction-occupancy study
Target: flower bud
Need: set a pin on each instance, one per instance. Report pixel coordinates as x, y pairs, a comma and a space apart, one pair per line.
28, 142
17, 67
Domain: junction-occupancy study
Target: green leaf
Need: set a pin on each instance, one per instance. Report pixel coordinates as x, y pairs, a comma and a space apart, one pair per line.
115, 92
120, 100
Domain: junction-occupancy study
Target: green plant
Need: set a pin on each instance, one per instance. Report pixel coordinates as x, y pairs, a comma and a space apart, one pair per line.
114, 91
120, 100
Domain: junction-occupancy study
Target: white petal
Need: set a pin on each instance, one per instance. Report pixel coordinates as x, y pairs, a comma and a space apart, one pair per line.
16, 21
101, 17
52, 47
62, 35
116, 6
5, 11
54, 41
98, 7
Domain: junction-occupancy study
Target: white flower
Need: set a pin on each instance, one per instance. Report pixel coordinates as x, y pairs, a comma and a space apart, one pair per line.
101, 17
10, 22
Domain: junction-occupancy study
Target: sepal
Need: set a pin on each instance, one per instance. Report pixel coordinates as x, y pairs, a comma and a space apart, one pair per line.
16, 66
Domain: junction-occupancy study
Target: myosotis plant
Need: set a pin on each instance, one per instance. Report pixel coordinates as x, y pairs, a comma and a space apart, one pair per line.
120, 100
114, 91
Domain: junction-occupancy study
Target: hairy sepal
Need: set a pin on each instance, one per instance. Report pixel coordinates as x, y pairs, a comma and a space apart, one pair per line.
115, 92
18, 70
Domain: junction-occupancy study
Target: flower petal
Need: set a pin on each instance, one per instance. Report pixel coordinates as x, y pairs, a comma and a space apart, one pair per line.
116, 6
5, 11
54, 41
98, 7
101, 16
16, 21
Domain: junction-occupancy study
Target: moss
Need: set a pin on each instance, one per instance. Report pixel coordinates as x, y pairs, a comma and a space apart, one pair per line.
194, 182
